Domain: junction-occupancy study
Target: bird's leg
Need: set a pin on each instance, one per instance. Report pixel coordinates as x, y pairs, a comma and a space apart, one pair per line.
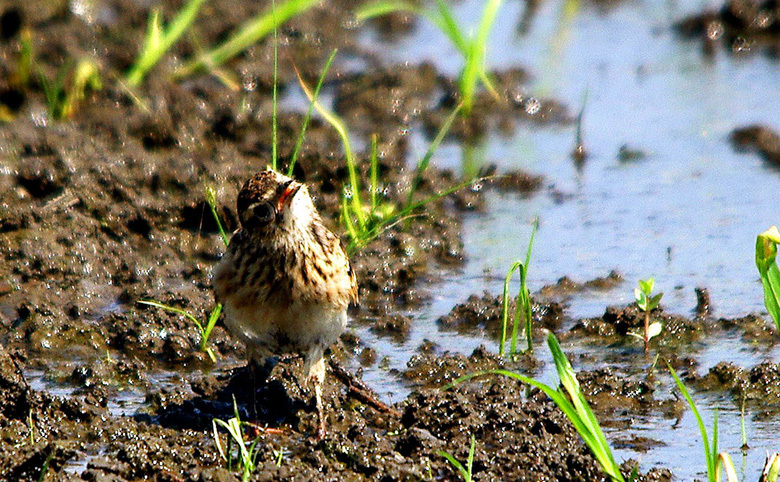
317, 377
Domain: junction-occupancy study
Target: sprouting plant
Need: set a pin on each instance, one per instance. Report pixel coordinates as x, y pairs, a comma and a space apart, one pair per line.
63, 100
523, 302
211, 200
159, 39
365, 220
206, 328
247, 34
279, 456
766, 253
247, 456
572, 403
472, 48
465, 472
647, 302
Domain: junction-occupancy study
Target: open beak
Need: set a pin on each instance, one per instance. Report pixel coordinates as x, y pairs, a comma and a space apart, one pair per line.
287, 195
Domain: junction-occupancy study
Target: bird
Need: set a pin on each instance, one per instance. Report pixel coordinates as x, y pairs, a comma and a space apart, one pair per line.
285, 281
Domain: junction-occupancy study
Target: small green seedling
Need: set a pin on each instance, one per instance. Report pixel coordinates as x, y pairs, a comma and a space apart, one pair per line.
205, 329
472, 48
523, 302
647, 302
465, 472
159, 39
247, 455
254, 30
62, 101
572, 403
766, 254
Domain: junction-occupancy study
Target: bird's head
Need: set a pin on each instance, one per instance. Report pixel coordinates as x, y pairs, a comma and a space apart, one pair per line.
271, 202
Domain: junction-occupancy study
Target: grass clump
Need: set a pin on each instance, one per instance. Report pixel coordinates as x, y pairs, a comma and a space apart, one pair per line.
572, 403
245, 456
766, 254
70, 87
523, 302
464, 472
366, 219
647, 302
159, 39
472, 48
246, 35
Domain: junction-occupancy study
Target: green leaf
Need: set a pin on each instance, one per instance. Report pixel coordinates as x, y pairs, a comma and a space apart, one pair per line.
766, 254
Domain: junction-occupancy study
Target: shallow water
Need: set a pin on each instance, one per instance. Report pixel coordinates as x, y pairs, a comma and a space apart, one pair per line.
687, 213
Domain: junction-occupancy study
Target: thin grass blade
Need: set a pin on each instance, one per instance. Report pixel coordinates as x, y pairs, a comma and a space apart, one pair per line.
702, 428
423, 164
159, 41
248, 34
307, 118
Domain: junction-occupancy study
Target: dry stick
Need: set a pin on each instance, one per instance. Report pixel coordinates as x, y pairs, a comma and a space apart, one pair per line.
358, 389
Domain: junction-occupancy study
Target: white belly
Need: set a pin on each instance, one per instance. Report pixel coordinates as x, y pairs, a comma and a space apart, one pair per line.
269, 329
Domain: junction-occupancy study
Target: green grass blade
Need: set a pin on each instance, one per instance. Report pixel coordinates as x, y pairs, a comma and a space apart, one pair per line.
173, 309
702, 427
603, 455
449, 26
374, 182
423, 164
455, 463
158, 42
211, 200
274, 123
569, 381
475, 55
341, 128
307, 118
470, 462
377, 9
248, 34
505, 307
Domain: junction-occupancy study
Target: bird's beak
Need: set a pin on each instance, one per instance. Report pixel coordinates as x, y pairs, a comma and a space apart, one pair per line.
286, 198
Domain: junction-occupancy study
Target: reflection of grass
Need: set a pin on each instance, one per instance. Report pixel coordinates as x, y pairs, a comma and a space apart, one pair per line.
247, 34
465, 472
160, 39
472, 48
572, 403
523, 302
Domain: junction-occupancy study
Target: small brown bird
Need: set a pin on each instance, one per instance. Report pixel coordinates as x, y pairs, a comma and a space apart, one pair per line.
285, 280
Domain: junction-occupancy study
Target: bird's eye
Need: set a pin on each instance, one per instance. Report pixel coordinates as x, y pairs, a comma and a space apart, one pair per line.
263, 212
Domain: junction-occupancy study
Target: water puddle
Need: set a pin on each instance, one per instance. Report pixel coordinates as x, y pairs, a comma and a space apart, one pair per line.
687, 212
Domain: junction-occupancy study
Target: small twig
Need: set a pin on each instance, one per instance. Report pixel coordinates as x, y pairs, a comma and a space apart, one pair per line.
358, 389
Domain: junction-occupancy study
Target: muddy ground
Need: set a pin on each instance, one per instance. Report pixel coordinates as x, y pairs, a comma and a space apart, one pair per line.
108, 208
